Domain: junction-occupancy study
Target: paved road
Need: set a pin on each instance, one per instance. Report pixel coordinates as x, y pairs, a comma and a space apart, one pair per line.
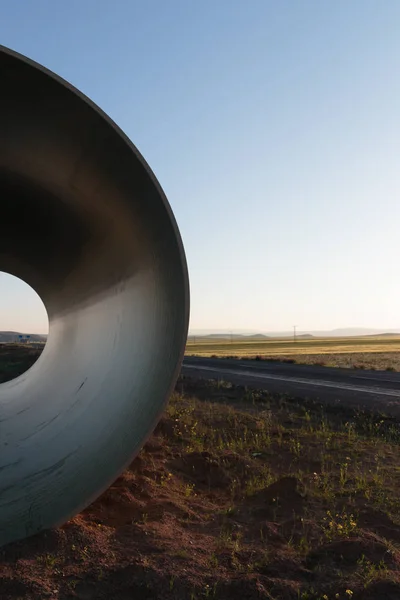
356, 388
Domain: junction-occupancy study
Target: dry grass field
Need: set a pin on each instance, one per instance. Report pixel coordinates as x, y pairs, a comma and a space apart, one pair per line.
15, 359
374, 352
239, 494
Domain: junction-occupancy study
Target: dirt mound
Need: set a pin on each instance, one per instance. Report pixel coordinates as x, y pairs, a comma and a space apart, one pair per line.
283, 563
254, 587
286, 489
203, 468
381, 590
348, 552
269, 532
296, 529
379, 523
10, 588
45, 543
286, 492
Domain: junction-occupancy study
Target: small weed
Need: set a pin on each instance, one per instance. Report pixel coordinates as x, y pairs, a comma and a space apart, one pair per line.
48, 560
338, 525
258, 482
369, 571
303, 546
146, 562
229, 539
165, 477
213, 561
343, 473
223, 385
189, 489
210, 592
72, 583
295, 447
230, 511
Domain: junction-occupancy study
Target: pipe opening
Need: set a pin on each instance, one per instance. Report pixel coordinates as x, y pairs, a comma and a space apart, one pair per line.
23, 327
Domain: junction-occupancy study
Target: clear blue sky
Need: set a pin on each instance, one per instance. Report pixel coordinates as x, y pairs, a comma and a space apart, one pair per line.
274, 129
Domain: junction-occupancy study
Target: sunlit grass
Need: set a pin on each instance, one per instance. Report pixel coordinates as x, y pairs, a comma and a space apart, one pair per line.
375, 352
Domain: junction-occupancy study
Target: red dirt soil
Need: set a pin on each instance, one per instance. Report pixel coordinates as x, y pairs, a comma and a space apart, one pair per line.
173, 527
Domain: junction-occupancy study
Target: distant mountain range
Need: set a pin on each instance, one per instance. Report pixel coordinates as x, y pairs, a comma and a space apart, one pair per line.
13, 336
345, 332
357, 331
224, 336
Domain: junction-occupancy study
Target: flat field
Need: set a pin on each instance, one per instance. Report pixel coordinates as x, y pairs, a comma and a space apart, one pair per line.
376, 352
16, 359
239, 494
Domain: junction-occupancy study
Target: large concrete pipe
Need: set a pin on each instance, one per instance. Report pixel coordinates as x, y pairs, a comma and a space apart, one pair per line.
84, 222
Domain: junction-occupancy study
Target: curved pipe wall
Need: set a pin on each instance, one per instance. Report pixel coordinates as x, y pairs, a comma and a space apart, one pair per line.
84, 222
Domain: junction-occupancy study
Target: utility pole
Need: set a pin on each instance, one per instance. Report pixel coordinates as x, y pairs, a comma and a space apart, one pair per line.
294, 333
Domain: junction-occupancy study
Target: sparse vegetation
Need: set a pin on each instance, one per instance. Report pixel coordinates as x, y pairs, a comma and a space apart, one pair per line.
234, 496
368, 352
16, 359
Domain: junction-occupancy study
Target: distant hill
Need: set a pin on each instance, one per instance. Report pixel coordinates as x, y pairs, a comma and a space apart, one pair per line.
304, 336
385, 335
353, 331
12, 336
222, 335
227, 336
216, 336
